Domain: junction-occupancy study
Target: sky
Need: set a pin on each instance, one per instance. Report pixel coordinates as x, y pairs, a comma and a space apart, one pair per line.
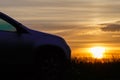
82, 23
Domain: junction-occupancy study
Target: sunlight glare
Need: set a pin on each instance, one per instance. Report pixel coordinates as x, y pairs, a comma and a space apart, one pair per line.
97, 52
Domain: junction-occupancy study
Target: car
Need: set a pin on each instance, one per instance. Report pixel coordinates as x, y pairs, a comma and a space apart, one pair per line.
21, 45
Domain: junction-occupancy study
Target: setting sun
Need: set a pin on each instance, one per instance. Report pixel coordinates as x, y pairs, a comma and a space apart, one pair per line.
97, 52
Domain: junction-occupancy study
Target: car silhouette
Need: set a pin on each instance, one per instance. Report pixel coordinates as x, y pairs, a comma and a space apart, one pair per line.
21, 45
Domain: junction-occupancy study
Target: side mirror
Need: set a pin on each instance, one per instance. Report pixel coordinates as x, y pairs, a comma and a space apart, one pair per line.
21, 30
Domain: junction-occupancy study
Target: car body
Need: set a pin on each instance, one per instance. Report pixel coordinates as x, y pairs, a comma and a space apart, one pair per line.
19, 44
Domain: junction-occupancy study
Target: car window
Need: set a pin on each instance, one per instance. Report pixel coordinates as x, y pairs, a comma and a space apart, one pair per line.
5, 26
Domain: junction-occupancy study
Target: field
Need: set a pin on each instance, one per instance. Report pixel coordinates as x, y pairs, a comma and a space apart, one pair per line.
81, 70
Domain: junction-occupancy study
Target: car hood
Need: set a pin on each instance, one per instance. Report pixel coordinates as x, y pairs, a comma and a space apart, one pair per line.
44, 35
45, 38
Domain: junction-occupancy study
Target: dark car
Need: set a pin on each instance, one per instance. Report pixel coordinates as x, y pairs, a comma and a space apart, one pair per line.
21, 45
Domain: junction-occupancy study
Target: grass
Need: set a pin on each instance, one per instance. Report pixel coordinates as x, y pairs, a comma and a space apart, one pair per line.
82, 70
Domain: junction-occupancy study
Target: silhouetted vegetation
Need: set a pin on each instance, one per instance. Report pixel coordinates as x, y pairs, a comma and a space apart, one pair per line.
78, 69
81, 70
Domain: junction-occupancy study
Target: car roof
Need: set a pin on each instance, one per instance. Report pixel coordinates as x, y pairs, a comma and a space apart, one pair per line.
1, 13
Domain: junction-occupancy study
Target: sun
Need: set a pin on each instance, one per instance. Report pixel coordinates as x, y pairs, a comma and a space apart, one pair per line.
97, 52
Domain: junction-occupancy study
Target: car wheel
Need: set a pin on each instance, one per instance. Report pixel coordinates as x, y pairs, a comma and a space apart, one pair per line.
51, 63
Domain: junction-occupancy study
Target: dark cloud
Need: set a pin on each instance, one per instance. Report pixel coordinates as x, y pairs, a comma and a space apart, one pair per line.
111, 27
118, 22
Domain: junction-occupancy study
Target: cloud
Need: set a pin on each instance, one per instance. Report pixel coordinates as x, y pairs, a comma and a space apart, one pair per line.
118, 22
41, 3
111, 27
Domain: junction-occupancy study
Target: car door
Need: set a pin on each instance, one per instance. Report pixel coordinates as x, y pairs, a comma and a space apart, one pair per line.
15, 46
9, 42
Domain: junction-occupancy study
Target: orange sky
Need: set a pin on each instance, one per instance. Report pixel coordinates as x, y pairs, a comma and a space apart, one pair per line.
82, 23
